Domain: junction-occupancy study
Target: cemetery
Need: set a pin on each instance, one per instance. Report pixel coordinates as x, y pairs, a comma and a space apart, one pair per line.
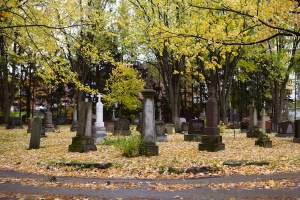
150, 90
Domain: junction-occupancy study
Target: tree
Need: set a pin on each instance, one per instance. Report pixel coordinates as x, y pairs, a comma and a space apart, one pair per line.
123, 87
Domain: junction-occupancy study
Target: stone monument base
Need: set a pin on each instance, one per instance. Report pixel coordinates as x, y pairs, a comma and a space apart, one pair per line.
149, 150
193, 137
264, 141
254, 133
211, 143
284, 135
49, 129
82, 144
296, 140
122, 132
162, 138
99, 133
74, 126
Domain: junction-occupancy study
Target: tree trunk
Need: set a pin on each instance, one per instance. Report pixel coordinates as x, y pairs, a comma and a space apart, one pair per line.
5, 99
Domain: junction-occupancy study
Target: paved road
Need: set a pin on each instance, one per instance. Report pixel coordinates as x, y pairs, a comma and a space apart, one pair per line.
10, 189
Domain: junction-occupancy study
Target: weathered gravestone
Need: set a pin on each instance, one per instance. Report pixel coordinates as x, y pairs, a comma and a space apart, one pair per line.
244, 126
29, 124
35, 137
122, 126
149, 146
296, 138
253, 129
211, 140
48, 121
74, 126
195, 131
14, 123
285, 129
160, 129
99, 131
83, 141
263, 140
185, 126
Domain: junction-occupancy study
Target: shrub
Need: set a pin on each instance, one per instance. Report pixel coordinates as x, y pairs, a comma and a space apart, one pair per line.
128, 145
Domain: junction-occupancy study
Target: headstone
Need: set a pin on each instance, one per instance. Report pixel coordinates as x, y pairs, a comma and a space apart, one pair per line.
244, 126
170, 128
253, 129
99, 132
149, 146
296, 138
263, 139
29, 122
185, 126
211, 140
48, 121
122, 126
268, 126
14, 123
195, 131
35, 137
43, 132
109, 126
160, 131
285, 129
83, 141
74, 126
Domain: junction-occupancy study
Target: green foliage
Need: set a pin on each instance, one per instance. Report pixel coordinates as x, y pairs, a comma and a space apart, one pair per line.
129, 146
124, 86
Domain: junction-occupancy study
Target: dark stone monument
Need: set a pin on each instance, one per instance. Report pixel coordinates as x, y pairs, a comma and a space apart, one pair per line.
83, 142
211, 140
48, 121
122, 126
296, 138
149, 146
244, 126
35, 137
29, 122
195, 131
14, 123
43, 132
285, 129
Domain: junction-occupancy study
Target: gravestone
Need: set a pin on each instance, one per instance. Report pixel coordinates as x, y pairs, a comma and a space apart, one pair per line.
296, 138
244, 126
160, 131
14, 123
48, 121
122, 126
99, 131
195, 131
185, 126
285, 129
109, 126
263, 140
149, 146
43, 132
83, 142
35, 137
74, 126
170, 128
253, 129
29, 124
211, 139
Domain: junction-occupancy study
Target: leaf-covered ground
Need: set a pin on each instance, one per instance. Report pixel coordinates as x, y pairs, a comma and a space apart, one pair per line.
177, 154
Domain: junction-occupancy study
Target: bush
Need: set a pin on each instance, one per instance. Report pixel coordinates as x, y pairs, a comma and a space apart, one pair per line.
128, 145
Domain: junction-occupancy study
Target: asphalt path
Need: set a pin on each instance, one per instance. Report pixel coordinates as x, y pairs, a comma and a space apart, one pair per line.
15, 190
